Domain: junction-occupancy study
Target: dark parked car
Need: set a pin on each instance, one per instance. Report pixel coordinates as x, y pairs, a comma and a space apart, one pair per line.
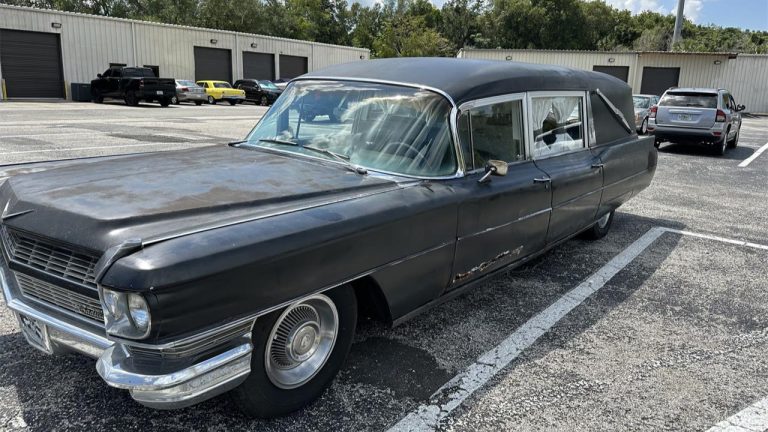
697, 116
246, 266
133, 85
263, 92
189, 91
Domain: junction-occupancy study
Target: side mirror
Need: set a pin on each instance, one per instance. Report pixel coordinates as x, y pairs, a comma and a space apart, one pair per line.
740, 107
494, 167
98, 75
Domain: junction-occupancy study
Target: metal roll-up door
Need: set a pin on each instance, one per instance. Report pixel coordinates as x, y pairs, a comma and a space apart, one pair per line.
656, 80
620, 72
259, 66
31, 64
213, 64
292, 66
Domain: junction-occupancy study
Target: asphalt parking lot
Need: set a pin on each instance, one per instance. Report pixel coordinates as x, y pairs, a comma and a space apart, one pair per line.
662, 325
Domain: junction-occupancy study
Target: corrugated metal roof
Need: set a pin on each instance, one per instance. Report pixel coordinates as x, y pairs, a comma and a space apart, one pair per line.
152, 23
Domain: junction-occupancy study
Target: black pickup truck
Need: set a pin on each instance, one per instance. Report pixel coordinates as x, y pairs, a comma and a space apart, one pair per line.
132, 84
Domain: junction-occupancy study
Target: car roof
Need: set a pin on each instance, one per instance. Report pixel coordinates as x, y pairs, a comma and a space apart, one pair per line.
695, 90
463, 79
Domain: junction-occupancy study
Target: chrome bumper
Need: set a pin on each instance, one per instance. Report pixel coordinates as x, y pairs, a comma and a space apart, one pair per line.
177, 389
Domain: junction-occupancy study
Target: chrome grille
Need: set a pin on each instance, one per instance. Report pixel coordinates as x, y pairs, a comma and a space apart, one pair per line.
50, 258
66, 299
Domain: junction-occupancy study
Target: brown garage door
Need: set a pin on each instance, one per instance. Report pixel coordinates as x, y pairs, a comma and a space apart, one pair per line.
213, 64
31, 64
620, 72
258, 66
292, 66
657, 80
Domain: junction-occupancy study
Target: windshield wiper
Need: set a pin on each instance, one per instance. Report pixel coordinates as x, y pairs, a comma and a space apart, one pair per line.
279, 141
341, 158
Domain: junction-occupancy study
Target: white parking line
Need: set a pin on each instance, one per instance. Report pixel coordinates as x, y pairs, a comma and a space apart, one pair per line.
120, 146
754, 156
753, 418
452, 394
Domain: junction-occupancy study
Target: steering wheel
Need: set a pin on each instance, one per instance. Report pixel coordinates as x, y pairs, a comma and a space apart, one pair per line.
397, 147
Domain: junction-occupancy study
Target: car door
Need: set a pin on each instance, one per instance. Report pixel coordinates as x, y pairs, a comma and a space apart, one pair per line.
501, 219
113, 82
735, 116
559, 148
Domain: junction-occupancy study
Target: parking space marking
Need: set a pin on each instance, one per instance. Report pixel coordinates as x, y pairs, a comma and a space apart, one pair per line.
116, 146
754, 156
753, 418
451, 395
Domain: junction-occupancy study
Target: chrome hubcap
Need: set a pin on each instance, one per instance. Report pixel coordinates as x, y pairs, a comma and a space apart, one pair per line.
301, 341
603, 221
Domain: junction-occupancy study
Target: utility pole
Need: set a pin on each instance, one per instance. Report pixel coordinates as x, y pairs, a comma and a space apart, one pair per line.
677, 36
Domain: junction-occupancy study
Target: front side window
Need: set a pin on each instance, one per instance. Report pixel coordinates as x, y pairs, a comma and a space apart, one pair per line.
386, 128
496, 133
558, 126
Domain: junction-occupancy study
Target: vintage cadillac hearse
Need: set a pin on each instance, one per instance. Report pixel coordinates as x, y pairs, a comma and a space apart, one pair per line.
244, 267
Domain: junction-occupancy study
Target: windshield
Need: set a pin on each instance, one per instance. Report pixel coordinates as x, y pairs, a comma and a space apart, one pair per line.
268, 85
641, 102
689, 99
222, 85
381, 127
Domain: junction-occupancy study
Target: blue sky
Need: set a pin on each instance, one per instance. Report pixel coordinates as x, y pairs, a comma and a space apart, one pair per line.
747, 14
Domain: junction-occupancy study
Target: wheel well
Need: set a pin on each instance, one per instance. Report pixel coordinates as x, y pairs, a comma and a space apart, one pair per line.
371, 302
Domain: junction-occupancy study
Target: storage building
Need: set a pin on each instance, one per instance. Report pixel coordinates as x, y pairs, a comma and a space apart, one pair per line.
745, 75
42, 52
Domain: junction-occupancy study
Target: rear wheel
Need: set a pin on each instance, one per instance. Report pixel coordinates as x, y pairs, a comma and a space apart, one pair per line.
644, 127
131, 99
722, 145
600, 228
164, 102
232, 102
297, 352
264, 101
175, 100
211, 100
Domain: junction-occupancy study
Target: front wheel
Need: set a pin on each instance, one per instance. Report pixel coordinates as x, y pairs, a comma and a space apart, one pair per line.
198, 103
297, 352
600, 228
263, 101
735, 140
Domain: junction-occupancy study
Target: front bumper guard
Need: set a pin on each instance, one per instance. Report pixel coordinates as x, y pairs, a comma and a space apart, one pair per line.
178, 389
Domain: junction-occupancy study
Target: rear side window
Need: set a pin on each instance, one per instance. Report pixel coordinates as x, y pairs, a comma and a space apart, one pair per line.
558, 126
689, 99
607, 127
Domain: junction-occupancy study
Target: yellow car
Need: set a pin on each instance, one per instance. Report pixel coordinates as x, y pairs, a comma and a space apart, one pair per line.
222, 90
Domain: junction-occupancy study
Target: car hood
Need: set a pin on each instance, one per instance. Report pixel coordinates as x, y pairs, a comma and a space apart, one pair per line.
98, 204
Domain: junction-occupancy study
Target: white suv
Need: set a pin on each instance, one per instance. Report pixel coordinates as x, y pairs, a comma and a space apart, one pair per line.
697, 115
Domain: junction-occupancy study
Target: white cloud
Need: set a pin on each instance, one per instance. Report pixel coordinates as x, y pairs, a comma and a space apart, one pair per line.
693, 9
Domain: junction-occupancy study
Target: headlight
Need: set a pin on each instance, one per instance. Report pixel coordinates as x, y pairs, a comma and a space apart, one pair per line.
125, 315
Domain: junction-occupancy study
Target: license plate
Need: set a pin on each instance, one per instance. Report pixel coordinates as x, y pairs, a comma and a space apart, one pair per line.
35, 332
159, 92
684, 117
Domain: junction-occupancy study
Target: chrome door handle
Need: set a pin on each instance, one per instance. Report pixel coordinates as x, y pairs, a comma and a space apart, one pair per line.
542, 180
598, 165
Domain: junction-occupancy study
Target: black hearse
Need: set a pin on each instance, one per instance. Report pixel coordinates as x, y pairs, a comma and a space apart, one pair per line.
245, 266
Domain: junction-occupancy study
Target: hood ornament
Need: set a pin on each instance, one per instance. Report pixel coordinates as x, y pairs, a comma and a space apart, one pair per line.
6, 215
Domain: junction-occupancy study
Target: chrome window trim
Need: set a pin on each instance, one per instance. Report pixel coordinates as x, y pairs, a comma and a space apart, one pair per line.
583, 94
451, 123
493, 100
